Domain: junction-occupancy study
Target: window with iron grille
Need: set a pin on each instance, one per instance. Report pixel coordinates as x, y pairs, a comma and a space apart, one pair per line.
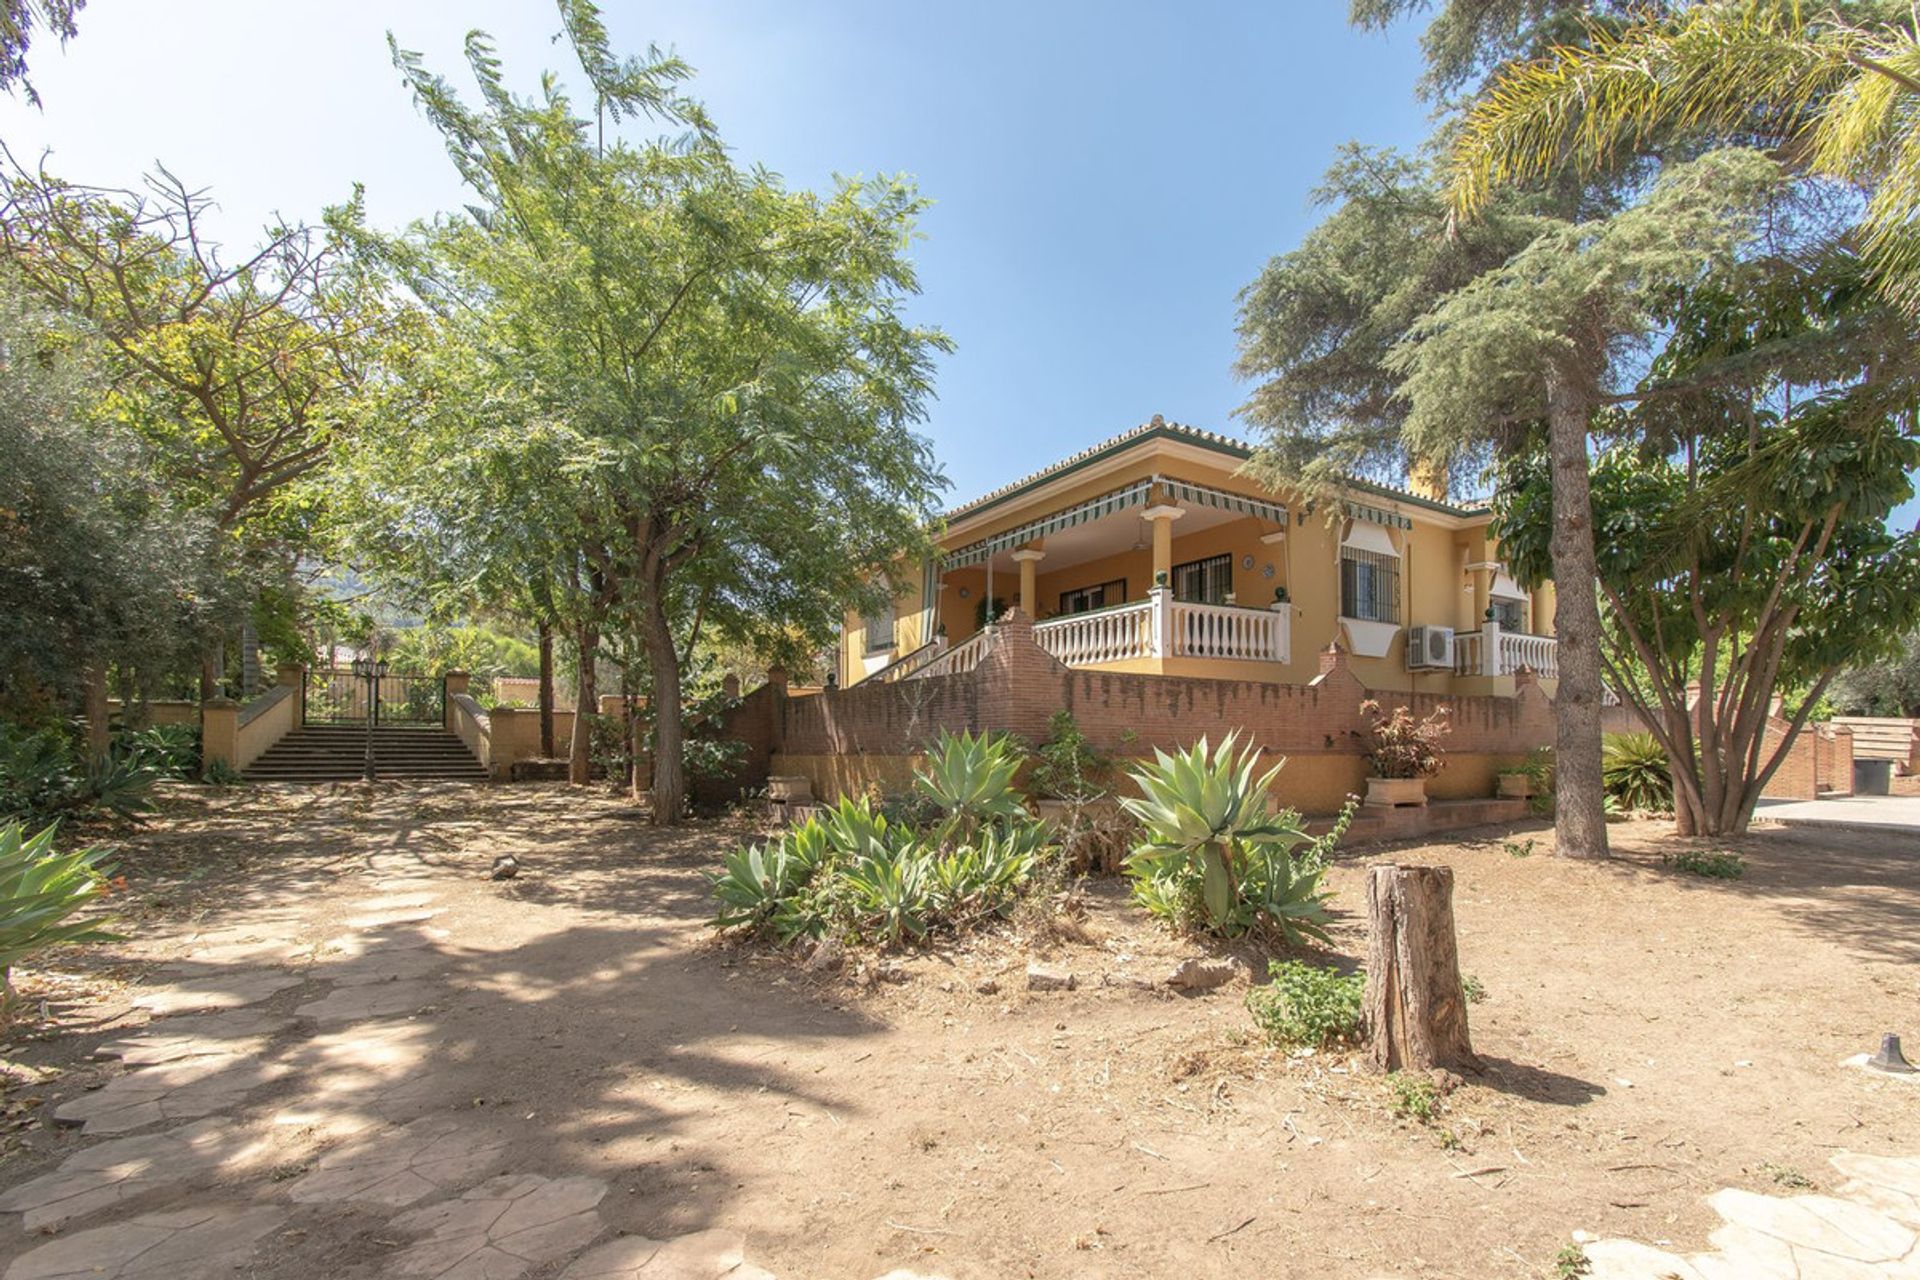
880, 628
1203, 581
1082, 599
1509, 613
1369, 585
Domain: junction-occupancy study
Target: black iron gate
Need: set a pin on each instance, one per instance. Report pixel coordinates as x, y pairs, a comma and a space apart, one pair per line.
341, 695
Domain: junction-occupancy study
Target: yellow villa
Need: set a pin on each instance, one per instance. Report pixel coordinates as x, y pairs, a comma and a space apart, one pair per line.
1151, 553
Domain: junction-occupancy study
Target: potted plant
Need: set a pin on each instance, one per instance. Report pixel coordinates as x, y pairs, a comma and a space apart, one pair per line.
1404, 753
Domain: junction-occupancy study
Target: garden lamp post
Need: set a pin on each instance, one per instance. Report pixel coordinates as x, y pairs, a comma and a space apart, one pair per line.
372, 668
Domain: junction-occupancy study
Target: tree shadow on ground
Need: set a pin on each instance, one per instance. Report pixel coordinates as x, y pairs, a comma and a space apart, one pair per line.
1535, 1084
1857, 888
585, 1048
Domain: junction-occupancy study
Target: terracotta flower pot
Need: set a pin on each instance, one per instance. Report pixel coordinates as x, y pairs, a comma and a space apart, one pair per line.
1388, 793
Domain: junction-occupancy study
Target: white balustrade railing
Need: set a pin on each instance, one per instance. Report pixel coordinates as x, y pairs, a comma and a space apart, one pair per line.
962, 658
1224, 631
1101, 635
1492, 651
1466, 653
1540, 654
1162, 627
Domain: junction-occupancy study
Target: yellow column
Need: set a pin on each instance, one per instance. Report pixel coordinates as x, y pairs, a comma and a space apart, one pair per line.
1544, 601
1162, 516
1027, 558
1482, 592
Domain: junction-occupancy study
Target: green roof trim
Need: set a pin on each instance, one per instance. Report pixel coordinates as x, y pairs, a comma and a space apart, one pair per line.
1176, 432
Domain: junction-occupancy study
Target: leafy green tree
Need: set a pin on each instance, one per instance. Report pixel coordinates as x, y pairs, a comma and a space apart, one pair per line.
1714, 606
1543, 338
1889, 687
1837, 86
243, 376
718, 364
98, 567
1469, 39
19, 23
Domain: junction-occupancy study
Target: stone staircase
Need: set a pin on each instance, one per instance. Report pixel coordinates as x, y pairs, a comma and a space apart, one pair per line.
338, 753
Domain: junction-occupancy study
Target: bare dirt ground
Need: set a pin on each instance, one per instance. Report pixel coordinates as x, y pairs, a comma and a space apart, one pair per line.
1649, 1037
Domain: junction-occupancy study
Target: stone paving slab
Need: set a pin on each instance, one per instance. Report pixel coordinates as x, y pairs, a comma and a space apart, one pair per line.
1865, 1233
220, 991
399, 1167
182, 1090
500, 1229
344, 968
373, 1000
384, 1071
206, 1242
103, 1175
386, 919
194, 1037
716, 1254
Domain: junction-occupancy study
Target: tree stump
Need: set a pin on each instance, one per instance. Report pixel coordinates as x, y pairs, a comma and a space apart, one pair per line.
1416, 1015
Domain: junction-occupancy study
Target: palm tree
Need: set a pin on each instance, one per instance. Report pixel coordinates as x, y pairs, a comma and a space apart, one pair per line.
1832, 96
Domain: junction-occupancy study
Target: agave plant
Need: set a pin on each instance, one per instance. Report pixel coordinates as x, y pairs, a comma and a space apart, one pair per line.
971, 779
1197, 806
852, 830
756, 880
1214, 850
894, 894
40, 890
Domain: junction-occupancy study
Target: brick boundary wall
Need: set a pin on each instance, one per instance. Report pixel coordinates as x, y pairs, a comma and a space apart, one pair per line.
873, 733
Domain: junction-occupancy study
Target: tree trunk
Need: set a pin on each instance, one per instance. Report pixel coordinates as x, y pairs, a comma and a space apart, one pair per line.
586, 706
212, 660
99, 732
1579, 810
546, 690
669, 766
1416, 1014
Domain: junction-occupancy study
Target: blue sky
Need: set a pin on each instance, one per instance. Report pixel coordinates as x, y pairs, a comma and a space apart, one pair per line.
1106, 177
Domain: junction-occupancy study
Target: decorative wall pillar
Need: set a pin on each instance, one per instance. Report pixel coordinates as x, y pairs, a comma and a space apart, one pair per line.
293, 675
1028, 558
219, 731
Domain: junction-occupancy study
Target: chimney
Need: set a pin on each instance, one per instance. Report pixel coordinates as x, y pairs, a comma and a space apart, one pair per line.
1427, 479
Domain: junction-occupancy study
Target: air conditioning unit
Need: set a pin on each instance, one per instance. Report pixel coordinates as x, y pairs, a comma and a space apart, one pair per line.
1430, 648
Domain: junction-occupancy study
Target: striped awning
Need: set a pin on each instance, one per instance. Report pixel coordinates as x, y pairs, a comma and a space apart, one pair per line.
1206, 496
1134, 495
1374, 515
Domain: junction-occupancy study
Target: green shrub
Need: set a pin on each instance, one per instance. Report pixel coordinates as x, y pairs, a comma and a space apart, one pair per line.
1215, 858
1472, 989
172, 749
41, 889
1542, 779
1720, 865
1067, 766
1518, 848
1571, 1263
44, 777
1307, 1006
1413, 1097
963, 850
1634, 770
